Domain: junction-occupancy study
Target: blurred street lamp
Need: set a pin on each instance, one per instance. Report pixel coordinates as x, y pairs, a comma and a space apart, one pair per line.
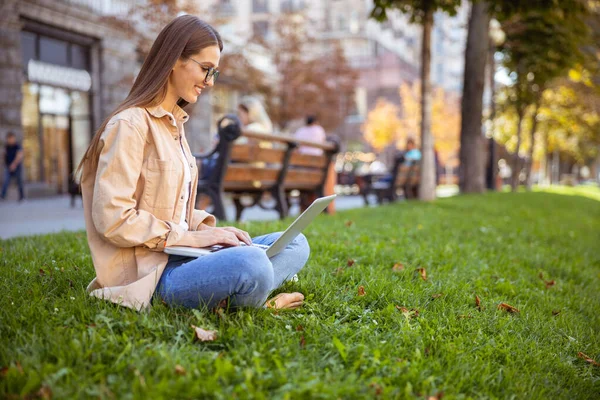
497, 37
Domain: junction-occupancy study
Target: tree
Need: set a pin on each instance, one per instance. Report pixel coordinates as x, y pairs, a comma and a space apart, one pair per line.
382, 125
445, 125
309, 81
541, 45
421, 11
471, 179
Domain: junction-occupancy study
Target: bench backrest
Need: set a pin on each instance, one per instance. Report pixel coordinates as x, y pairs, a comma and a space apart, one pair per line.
262, 161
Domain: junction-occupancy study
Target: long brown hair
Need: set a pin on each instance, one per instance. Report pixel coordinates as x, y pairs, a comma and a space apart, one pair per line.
180, 39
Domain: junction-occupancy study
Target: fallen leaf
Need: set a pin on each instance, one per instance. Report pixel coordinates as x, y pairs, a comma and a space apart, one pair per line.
413, 312
42, 272
361, 291
3, 371
507, 307
464, 316
423, 273
550, 283
349, 223
377, 387
299, 328
588, 359
19, 367
45, 393
204, 336
398, 267
338, 271
437, 396
351, 262
71, 283
478, 303
179, 370
302, 341
437, 295
555, 312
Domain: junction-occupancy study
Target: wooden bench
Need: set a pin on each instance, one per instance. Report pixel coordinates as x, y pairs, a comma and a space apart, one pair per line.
404, 178
263, 167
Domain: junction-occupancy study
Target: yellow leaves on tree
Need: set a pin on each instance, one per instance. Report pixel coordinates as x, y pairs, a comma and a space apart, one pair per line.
382, 125
388, 124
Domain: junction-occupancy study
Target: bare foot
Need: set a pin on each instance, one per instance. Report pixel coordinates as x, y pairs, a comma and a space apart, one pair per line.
286, 301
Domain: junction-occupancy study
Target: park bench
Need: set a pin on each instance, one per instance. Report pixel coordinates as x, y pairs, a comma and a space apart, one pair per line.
404, 178
263, 169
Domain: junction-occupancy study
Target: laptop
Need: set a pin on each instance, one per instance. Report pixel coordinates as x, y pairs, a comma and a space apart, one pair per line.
290, 234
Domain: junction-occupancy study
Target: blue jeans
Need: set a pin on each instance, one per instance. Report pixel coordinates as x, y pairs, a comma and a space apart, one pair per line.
8, 176
244, 275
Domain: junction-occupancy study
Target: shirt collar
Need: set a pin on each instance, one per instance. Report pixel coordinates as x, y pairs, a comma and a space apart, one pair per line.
159, 112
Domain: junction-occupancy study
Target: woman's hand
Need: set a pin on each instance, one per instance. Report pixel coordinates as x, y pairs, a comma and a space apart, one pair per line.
207, 236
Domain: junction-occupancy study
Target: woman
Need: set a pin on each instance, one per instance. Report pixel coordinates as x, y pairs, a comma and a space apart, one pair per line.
253, 116
139, 189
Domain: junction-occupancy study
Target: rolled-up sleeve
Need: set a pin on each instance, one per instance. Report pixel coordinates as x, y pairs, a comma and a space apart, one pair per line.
115, 210
202, 217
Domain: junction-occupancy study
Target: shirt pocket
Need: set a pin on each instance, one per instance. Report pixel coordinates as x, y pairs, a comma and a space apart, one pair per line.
161, 184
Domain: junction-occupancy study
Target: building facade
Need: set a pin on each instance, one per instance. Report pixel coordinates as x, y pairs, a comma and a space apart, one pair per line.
65, 65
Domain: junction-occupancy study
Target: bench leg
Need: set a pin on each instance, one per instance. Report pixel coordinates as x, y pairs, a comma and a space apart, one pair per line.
239, 208
282, 206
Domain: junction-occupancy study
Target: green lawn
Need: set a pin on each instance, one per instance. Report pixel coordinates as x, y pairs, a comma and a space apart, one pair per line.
56, 340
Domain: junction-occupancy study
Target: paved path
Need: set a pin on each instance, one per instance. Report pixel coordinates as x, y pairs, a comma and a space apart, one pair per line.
48, 215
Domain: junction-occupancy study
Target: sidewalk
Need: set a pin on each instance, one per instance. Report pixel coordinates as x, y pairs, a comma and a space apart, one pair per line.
50, 215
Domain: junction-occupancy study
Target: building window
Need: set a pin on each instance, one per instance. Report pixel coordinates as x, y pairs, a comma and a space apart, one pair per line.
259, 6
260, 28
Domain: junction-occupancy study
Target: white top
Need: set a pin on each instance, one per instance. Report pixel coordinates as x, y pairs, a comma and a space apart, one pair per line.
187, 184
312, 133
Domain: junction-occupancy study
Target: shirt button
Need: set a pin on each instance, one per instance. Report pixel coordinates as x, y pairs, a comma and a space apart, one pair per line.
181, 197
174, 137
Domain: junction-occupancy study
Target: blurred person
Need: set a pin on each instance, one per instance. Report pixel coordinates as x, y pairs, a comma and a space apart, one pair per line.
139, 180
312, 132
13, 161
253, 117
412, 154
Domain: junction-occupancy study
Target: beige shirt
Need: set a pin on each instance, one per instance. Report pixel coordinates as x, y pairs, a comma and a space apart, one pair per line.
134, 200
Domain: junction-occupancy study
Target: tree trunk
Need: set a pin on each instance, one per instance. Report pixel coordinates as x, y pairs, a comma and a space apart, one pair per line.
427, 181
529, 165
516, 167
472, 177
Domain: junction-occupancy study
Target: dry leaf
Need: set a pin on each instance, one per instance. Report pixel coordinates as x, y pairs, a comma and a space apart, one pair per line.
71, 283
478, 302
435, 296
179, 370
361, 291
299, 328
44, 393
550, 283
507, 307
413, 312
423, 273
19, 367
588, 359
555, 312
302, 341
464, 316
338, 271
351, 262
3, 371
398, 267
377, 387
437, 396
42, 272
204, 336
349, 223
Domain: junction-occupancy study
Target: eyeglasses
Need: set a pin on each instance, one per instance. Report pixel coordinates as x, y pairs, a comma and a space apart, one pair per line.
210, 72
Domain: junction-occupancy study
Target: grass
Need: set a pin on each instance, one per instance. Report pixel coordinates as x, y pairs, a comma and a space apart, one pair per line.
57, 341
